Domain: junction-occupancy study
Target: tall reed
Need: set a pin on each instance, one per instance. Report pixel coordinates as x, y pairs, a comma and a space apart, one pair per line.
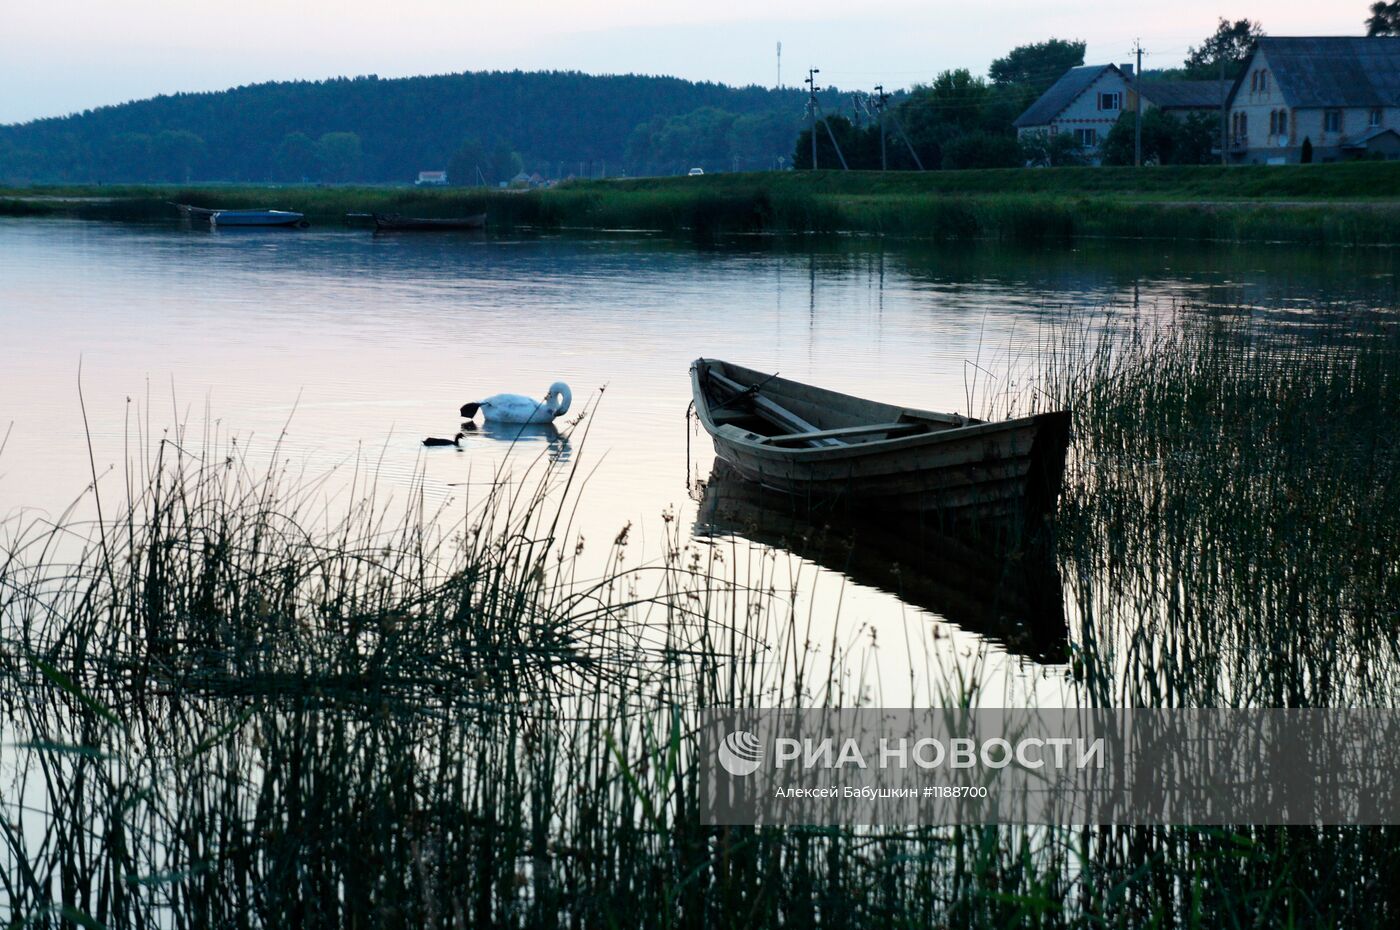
225, 707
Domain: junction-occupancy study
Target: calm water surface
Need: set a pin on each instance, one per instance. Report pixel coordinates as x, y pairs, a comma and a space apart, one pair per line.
359, 345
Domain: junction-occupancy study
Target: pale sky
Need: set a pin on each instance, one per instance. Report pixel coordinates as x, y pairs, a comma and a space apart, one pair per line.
61, 56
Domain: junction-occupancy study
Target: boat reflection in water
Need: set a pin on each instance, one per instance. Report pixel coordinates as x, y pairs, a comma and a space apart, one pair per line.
556, 443
1014, 598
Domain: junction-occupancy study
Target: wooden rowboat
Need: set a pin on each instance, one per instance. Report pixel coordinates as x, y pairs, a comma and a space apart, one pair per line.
828, 447
396, 223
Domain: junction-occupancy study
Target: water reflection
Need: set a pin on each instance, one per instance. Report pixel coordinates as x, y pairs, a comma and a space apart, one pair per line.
528, 434
1013, 598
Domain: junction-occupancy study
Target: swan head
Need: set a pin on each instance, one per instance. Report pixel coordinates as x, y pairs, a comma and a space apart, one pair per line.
558, 398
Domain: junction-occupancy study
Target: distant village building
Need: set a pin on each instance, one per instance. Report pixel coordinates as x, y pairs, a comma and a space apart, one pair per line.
431, 178
1088, 100
1339, 94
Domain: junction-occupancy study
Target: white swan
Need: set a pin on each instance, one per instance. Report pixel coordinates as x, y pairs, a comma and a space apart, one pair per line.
516, 408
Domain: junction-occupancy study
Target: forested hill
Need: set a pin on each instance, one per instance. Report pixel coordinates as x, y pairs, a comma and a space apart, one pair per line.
381, 130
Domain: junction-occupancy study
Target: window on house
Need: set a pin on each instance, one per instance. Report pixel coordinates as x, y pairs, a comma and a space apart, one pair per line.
1273, 122
1253, 81
1244, 125
1331, 120
1112, 101
1264, 81
1375, 117
1086, 138
1283, 122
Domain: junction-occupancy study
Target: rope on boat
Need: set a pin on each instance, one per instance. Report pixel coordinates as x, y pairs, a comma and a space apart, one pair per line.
747, 393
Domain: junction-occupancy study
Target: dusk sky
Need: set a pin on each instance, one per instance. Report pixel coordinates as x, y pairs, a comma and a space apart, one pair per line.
61, 56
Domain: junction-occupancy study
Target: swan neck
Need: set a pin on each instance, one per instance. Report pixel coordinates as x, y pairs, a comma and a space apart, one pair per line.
566, 396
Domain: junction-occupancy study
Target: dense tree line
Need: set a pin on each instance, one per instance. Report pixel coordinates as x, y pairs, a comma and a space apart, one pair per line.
373, 130
486, 127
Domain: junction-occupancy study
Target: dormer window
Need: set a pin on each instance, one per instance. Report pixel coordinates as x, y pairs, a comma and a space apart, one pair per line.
1375, 119
1113, 101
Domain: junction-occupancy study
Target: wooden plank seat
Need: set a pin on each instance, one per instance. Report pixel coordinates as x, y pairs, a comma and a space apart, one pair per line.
848, 432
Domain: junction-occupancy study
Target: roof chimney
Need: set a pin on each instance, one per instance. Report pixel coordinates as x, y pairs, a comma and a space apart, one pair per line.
1126, 69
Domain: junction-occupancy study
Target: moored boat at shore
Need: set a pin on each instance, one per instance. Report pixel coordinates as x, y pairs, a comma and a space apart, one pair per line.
394, 222
270, 218
835, 449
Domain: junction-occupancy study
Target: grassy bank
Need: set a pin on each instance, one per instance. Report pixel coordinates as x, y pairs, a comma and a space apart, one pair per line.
1352, 203
224, 709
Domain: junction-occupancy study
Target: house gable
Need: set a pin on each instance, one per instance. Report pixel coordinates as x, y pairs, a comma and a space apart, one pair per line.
1326, 71
1064, 92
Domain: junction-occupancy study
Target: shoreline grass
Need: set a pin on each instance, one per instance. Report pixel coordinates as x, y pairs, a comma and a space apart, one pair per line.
1347, 204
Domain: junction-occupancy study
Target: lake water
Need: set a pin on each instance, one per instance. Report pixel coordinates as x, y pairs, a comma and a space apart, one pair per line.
352, 347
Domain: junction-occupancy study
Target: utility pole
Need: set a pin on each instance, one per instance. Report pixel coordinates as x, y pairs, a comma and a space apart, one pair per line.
1137, 104
881, 98
815, 109
1224, 97
780, 66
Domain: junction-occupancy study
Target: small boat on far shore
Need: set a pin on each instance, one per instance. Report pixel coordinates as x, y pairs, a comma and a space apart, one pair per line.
258, 218
394, 222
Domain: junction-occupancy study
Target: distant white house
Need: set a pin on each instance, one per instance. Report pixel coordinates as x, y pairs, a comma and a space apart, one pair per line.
431, 178
1340, 94
1087, 101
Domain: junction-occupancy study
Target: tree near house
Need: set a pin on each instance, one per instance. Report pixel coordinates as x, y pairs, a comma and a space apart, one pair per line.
1043, 150
466, 162
954, 104
1166, 139
1232, 42
981, 150
1384, 19
506, 162
1036, 66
